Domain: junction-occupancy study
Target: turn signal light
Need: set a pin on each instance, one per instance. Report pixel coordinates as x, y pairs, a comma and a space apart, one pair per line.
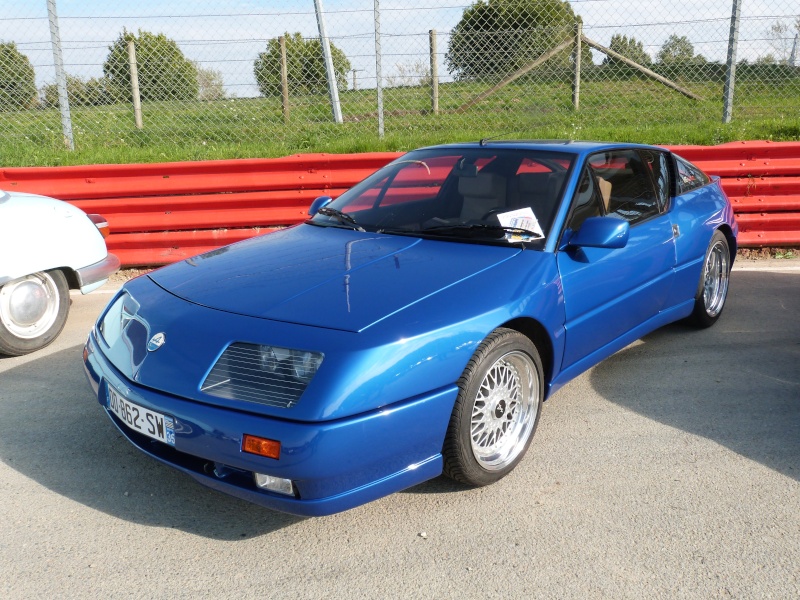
261, 446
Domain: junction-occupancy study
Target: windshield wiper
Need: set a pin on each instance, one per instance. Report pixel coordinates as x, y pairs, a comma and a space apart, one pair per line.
398, 230
482, 228
340, 216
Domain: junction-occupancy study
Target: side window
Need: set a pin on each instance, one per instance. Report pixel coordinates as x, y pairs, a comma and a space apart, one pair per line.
659, 170
587, 202
627, 187
688, 177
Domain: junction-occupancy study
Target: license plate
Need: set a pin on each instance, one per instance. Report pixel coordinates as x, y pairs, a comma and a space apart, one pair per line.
143, 420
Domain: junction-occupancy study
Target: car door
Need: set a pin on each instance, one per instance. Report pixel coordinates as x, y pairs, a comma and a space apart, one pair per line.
610, 291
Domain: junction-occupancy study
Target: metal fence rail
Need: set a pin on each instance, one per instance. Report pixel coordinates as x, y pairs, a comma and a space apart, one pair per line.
162, 213
217, 74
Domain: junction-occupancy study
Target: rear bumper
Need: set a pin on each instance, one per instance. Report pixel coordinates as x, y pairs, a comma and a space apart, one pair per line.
89, 277
334, 465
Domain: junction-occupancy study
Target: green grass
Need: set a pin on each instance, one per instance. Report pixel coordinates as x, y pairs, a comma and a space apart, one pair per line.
633, 110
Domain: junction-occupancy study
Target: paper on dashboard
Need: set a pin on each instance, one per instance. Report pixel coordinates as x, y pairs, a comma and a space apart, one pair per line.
522, 218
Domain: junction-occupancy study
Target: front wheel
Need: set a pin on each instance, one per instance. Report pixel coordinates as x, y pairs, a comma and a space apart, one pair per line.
496, 411
712, 290
33, 311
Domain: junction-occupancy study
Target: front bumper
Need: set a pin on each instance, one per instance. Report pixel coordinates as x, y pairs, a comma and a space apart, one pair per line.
334, 465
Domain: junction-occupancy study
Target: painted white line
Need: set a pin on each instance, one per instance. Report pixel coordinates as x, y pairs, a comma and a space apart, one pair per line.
102, 291
769, 268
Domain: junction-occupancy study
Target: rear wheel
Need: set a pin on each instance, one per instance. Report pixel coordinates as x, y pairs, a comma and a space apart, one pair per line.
496, 411
33, 311
712, 290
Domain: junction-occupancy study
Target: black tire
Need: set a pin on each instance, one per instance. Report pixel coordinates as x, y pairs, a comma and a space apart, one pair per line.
712, 289
496, 411
33, 311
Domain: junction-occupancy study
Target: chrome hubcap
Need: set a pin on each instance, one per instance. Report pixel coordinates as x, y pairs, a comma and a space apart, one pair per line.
29, 305
715, 279
504, 411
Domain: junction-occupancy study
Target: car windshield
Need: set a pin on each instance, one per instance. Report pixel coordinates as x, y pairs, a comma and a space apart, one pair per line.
486, 195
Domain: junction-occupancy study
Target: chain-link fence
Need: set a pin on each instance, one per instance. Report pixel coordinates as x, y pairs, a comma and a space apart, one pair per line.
254, 78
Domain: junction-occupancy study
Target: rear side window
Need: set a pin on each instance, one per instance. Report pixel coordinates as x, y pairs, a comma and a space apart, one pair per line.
688, 176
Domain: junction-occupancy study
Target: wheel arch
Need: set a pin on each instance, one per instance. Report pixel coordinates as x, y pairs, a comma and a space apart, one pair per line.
536, 332
732, 245
71, 277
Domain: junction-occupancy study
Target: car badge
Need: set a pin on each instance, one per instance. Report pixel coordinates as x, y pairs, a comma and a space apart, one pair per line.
156, 341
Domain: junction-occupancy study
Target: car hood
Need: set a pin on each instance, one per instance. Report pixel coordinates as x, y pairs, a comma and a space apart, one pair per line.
326, 277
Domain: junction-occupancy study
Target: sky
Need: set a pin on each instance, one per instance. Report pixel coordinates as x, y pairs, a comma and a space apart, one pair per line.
227, 35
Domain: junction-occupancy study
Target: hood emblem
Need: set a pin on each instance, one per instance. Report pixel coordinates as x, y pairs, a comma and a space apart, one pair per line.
156, 341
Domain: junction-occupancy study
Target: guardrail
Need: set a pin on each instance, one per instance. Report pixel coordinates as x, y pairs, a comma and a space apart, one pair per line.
162, 213
762, 179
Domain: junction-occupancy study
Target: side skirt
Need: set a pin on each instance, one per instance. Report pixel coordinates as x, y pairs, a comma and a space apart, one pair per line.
675, 313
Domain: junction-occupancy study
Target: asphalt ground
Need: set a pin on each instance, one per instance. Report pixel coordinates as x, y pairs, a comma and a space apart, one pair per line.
671, 470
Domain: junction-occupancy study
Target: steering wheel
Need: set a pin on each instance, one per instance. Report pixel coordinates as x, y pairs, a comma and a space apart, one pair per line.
493, 212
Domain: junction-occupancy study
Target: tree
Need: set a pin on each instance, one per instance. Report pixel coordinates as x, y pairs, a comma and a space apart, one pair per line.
410, 74
211, 84
305, 65
781, 40
678, 50
80, 92
629, 48
164, 72
17, 79
497, 37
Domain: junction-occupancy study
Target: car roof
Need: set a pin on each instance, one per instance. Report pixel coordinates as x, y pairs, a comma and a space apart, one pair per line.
567, 146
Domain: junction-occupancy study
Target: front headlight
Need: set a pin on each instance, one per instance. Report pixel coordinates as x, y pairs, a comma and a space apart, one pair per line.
305, 364
296, 364
268, 375
116, 318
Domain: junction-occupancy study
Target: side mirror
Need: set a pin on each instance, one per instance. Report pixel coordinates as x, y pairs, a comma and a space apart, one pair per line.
318, 203
602, 232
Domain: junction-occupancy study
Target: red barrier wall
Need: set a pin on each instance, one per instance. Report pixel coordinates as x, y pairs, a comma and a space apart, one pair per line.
161, 213
762, 179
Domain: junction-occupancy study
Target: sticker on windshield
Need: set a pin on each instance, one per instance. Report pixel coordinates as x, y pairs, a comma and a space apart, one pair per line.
522, 218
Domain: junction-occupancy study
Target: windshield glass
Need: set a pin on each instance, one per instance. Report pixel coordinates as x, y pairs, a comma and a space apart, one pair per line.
479, 194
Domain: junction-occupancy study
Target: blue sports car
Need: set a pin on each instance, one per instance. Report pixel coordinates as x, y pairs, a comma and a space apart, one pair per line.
414, 325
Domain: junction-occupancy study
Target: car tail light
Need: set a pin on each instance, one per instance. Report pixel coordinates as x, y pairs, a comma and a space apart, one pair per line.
101, 223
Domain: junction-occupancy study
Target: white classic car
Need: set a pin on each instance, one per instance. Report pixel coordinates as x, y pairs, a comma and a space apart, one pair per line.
46, 247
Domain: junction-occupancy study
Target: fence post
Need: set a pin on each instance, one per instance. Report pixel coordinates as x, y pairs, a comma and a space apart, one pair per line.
333, 87
284, 80
61, 76
434, 73
378, 73
730, 70
576, 81
137, 100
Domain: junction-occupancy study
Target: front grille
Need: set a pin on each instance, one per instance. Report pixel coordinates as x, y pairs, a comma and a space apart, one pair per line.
261, 374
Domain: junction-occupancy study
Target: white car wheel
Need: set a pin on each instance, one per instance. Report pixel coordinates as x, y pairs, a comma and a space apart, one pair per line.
33, 311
